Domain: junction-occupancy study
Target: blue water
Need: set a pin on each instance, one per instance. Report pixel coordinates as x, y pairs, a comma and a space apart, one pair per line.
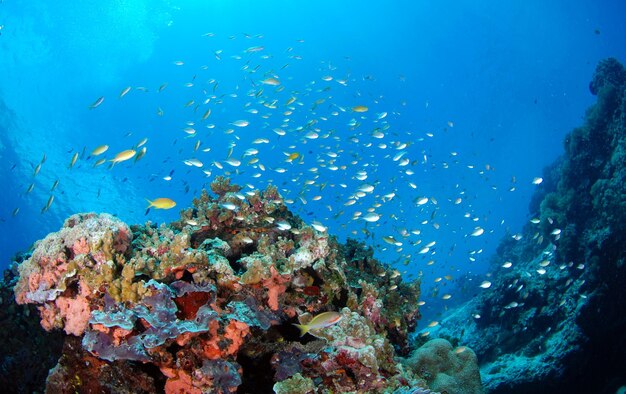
497, 83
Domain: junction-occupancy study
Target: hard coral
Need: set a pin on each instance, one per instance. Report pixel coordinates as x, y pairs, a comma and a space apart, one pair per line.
447, 369
297, 384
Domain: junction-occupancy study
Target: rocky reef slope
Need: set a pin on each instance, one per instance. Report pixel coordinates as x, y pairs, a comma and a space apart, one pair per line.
554, 318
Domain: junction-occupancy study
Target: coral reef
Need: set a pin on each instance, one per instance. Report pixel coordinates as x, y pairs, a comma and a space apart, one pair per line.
68, 269
207, 304
447, 369
559, 304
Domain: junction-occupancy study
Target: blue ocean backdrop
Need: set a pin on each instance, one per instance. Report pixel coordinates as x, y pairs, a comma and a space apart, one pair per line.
482, 93
436, 117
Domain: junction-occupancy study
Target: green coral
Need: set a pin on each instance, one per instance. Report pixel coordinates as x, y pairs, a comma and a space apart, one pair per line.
297, 384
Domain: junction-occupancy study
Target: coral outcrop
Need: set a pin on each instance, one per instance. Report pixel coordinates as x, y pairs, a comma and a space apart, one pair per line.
207, 304
446, 369
553, 319
27, 350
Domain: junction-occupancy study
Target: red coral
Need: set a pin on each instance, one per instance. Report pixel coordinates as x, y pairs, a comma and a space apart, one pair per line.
311, 290
346, 372
371, 309
211, 348
216, 348
188, 304
122, 239
161, 250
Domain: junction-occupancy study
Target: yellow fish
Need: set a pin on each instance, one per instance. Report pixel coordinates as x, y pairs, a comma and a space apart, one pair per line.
292, 156
161, 203
323, 320
360, 108
99, 150
123, 156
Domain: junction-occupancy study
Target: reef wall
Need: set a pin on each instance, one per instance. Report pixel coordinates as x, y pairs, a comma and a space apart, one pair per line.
209, 303
553, 319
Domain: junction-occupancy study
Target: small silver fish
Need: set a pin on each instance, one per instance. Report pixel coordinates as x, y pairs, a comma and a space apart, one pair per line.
97, 103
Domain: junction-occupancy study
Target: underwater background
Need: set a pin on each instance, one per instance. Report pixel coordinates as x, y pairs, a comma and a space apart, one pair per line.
421, 129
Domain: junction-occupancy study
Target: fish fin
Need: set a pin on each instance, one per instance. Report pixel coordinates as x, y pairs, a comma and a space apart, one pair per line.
303, 329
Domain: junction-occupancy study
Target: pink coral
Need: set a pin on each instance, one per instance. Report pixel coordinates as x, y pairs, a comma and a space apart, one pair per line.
70, 313
181, 384
236, 331
46, 276
76, 313
80, 246
117, 333
39, 282
49, 314
275, 286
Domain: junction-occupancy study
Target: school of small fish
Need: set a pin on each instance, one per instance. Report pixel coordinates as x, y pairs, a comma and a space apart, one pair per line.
329, 156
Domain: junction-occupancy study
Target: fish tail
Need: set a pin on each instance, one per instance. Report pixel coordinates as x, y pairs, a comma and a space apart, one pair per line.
303, 329
150, 204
